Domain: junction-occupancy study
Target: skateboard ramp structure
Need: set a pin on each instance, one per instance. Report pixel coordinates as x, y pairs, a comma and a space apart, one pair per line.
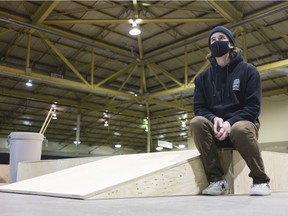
148, 174
31, 169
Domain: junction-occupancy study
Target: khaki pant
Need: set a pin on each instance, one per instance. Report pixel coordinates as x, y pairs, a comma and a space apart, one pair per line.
243, 137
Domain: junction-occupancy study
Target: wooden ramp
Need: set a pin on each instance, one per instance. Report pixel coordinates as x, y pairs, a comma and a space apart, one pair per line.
31, 169
4, 173
146, 175
136, 175
276, 167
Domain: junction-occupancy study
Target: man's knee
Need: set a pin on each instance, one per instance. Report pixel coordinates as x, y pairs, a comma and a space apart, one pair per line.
197, 121
199, 124
242, 129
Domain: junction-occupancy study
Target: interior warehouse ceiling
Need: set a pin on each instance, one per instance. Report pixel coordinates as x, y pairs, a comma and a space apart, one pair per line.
79, 56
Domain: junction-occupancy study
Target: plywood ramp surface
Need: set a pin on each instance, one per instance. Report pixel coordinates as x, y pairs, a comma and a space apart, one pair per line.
4, 173
96, 178
31, 169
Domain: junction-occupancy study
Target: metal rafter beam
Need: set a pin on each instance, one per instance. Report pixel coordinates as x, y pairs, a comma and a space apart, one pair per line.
272, 66
64, 83
64, 59
140, 47
275, 92
159, 114
65, 45
249, 19
156, 67
157, 77
68, 102
203, 67
272, 31
171, 91
139, 39
143, 85
262, 68
3, 32
167, 112
135, 5
226, 10
116, 74
176, 105
43, 11
128, 21
20, 21
266, 41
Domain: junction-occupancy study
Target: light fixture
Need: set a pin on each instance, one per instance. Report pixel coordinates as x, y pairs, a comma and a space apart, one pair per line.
145, 124
77, 142
106, 124
54, 116
159, 148
105, 114
182, 134
181, 146
27, 123
117, 145
183, 123
29, 83
116, 133
135, 29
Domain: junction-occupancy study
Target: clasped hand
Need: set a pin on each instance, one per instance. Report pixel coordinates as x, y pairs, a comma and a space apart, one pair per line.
222, 128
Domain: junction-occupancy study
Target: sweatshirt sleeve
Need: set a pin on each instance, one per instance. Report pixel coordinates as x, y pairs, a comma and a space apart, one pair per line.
252, 98
200, 104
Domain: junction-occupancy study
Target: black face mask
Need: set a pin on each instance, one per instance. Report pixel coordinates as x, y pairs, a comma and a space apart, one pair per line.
219, 48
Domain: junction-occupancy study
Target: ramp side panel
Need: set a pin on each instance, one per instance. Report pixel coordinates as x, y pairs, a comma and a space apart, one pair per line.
31, 169
185, 179
276, 167
98, 176
4, 173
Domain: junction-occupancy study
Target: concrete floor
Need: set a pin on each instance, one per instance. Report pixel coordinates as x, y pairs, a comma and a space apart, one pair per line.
12, 204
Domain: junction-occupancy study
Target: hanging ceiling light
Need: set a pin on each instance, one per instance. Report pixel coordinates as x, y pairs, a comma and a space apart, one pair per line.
54, 116
106, 124
181, 146
29, 83
183, 123
135, 30
76, 142
159, 148
117, 145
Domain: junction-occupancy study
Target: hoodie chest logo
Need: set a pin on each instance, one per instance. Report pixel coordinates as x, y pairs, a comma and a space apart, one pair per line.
236, 85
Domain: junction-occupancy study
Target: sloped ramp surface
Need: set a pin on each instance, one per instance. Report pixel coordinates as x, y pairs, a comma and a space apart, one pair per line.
31, 169
149, 174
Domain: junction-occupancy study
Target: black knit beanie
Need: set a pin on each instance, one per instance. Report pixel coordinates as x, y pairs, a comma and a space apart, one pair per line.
224, 30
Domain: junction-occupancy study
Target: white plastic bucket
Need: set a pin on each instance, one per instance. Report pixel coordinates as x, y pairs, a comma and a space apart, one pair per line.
24, 146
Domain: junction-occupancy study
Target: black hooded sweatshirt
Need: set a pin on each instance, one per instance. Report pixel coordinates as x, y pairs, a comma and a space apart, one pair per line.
232, 92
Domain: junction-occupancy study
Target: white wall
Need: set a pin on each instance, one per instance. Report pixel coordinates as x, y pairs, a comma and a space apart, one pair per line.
274, 119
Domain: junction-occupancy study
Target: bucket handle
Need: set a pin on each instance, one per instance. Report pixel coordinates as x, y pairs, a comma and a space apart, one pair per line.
44, 142
8, 140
